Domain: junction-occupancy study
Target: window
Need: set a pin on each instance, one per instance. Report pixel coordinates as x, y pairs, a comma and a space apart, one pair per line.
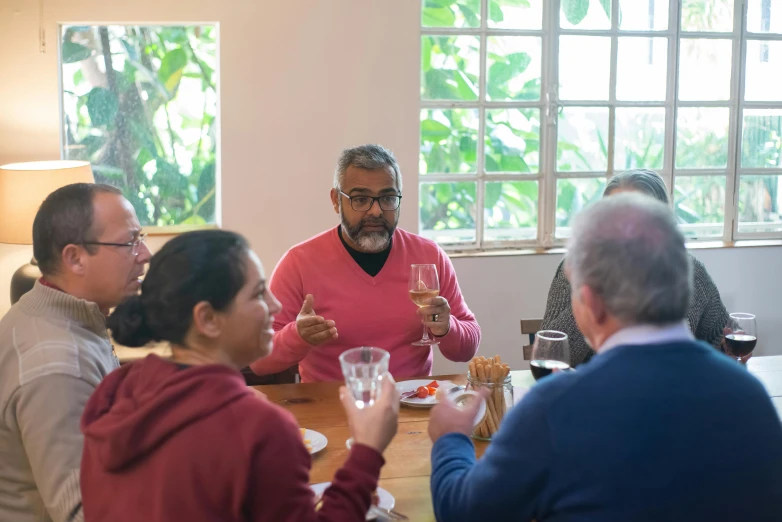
528, 107
140, 103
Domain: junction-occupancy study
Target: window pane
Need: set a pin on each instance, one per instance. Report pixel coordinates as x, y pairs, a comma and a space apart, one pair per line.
581, 139
449, 67
762, 138
148, 123
447, 212
704, 70
516, 14
449, 140
642, 69
584, 67
643, 16
573, 196
699, 203
702, 137
512, 140
764, 70
707, 15
764, 16
513, 65
760, 201
585, 14
511, 211
442, 13
640, 138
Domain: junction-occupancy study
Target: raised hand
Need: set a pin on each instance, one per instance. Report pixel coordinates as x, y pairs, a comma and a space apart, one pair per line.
313, 328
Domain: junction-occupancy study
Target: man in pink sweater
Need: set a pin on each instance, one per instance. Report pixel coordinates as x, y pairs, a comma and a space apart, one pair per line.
348, 286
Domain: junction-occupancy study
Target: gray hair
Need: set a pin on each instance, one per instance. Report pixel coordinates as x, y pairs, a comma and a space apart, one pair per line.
643, 180
370, 157
629, 251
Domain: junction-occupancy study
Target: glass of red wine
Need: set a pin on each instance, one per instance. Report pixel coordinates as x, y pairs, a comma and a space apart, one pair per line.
549, 351
743, 335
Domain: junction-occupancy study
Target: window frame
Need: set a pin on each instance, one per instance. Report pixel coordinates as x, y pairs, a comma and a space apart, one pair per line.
550, 106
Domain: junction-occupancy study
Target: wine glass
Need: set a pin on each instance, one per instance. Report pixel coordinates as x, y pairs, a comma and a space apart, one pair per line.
423, 286
549, 351
743, 335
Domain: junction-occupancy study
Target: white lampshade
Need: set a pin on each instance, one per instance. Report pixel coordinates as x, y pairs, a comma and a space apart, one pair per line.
24, 186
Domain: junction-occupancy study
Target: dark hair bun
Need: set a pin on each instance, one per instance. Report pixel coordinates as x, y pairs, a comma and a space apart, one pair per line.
128, 323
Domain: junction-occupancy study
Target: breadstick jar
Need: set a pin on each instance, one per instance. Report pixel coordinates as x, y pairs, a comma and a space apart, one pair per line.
494, 375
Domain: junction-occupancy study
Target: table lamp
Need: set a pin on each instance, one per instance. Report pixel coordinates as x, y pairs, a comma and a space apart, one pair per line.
23, 187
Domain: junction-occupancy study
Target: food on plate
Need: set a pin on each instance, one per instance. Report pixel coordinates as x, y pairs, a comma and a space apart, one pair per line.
491, 374
422, 392
307, 442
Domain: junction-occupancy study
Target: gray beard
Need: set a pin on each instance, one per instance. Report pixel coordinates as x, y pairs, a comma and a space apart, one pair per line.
371, 242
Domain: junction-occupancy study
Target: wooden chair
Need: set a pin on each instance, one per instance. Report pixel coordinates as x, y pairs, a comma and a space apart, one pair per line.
529, 327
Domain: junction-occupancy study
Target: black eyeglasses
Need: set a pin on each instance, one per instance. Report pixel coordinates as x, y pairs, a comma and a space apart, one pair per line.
364, 203
134, 245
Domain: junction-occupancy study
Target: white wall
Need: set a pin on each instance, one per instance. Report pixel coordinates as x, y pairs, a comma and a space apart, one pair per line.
300, 81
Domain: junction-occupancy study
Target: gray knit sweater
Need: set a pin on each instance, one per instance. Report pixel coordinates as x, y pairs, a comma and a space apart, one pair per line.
54, 350
707, 315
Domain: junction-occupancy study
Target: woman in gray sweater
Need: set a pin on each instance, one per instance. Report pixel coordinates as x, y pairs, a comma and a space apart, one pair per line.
706, 316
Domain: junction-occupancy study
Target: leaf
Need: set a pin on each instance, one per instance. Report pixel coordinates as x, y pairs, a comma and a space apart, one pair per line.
493, 193
102, 106
426, 53
495, 12
73, 52
606, 7
513, 163
108, 171
195, 219
467, 89
206, 192
575, 10
438, 17
433, 130
78, 76
469, 16
172, 67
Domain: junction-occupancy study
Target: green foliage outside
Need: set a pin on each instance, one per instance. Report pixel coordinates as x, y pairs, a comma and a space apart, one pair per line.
140, 104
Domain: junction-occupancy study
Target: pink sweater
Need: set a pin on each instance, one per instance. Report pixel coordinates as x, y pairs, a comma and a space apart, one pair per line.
368, 311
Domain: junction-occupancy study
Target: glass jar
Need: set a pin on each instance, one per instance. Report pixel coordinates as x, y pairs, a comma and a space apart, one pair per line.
498, 403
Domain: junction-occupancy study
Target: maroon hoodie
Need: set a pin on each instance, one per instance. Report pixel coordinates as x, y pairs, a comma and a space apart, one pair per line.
163, 443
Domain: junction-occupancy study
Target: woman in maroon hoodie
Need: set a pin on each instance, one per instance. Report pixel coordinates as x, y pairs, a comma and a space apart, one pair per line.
186, 439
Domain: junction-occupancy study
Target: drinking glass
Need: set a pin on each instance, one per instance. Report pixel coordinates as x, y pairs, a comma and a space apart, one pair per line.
549, 351
743, 335
423, 286
363, 369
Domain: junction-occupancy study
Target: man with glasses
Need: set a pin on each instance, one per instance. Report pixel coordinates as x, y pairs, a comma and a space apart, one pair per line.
348, 286
54, 347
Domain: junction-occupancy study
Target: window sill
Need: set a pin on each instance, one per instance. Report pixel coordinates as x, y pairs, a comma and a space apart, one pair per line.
694, 245
175, 230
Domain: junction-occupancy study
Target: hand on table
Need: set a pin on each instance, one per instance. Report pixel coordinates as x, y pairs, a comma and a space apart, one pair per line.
436, 315
373, 426
313, 328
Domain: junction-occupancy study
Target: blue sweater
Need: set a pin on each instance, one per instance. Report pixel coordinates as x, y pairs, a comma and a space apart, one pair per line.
652, 433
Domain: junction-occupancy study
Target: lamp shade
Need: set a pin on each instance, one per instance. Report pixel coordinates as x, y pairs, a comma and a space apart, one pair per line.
24, 186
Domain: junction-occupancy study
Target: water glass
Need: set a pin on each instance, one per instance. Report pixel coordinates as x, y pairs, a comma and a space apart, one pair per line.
363, 369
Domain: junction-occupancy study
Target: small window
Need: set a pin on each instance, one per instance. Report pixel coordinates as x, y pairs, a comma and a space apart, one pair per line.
140, 104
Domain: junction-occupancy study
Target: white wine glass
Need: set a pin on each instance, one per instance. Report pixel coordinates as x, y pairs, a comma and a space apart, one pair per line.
424, 285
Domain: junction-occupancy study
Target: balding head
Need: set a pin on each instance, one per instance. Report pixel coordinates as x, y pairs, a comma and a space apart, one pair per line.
630, 255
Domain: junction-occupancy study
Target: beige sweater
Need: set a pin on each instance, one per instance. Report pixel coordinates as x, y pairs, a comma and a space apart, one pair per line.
54, 350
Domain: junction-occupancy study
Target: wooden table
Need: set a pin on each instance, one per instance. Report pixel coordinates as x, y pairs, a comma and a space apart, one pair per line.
408, 466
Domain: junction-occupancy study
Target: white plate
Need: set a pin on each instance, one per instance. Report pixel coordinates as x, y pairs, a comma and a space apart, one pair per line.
385, 499
415, 402
318, 441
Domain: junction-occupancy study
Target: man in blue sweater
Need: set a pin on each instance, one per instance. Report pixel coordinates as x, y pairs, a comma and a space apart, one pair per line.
656, 427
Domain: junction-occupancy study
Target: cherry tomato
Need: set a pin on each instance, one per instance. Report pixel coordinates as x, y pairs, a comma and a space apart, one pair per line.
422, 392
432, 391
